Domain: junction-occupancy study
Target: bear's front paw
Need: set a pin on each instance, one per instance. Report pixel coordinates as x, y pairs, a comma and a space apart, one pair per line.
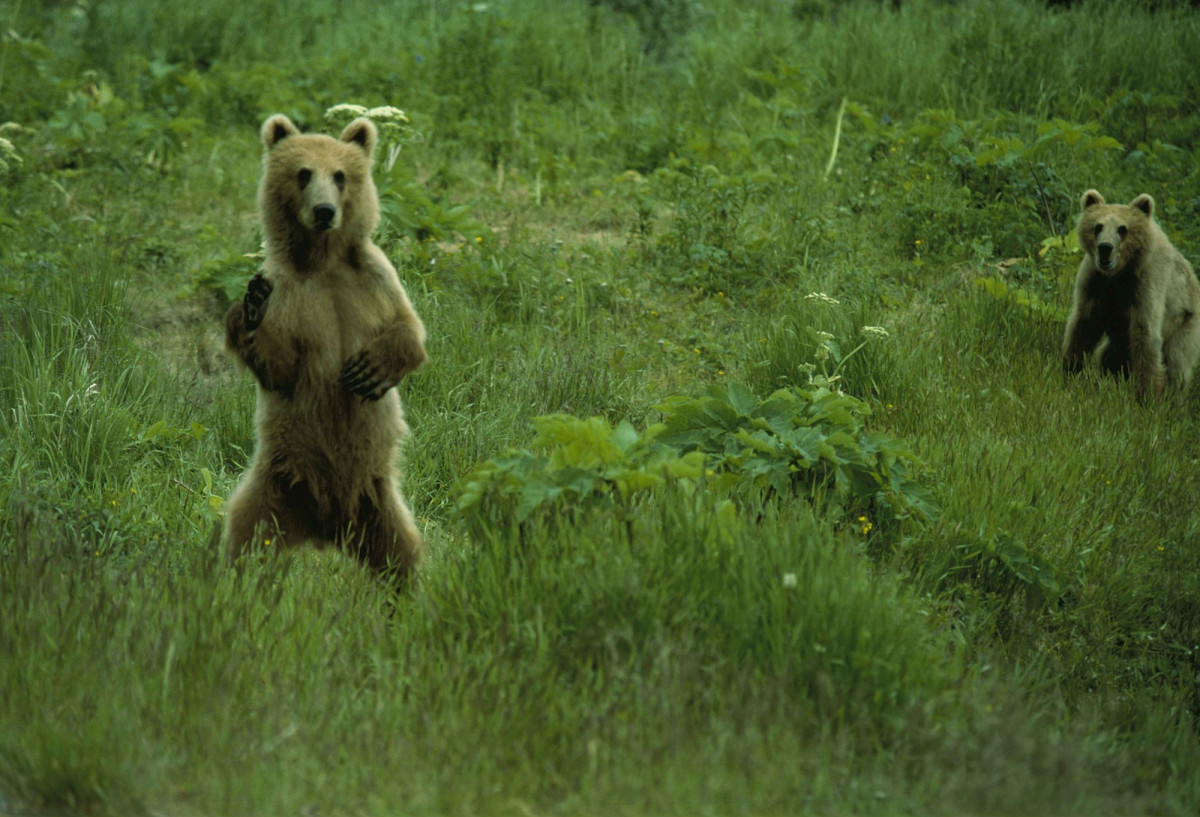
362, 376
254, 304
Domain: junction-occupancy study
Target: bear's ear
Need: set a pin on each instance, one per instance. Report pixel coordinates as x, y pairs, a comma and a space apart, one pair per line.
362, 132
1091, 198
1144, 203
276, 129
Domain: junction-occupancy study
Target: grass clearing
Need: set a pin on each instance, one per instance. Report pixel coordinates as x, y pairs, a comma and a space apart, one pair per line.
608, 206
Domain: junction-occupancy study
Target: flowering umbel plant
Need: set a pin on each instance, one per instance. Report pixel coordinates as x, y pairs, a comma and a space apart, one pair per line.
391, 122
8, 151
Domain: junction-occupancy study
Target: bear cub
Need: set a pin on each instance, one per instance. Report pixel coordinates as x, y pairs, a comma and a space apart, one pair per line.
1135, 288
327, 330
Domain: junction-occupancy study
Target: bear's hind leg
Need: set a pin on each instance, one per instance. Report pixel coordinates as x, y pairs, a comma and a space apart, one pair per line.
384, 535
260, 515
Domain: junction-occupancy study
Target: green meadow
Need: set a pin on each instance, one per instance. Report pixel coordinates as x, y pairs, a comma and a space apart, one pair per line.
751, 480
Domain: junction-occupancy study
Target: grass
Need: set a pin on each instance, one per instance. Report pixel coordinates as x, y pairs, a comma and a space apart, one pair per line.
655, 220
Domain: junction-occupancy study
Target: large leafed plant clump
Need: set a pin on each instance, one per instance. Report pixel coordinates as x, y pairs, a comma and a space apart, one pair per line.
807, 443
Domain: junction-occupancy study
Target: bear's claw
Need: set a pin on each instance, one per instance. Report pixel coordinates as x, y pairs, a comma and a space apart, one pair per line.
254, 303
361, 377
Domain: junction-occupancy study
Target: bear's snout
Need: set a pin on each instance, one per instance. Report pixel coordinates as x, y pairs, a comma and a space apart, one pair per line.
1104, 255
323, 216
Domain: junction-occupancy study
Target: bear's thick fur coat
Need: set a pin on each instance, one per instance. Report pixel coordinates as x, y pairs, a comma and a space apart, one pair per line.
328, 331
1134, 287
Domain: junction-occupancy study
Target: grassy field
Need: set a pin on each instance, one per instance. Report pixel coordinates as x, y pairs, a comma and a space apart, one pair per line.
931, 575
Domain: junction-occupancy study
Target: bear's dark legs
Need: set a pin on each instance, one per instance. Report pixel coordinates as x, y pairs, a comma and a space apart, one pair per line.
1116, 357
385, 537
262, 513
1084, 331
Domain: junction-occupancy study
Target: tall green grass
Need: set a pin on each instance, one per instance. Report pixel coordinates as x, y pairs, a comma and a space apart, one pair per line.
658, 217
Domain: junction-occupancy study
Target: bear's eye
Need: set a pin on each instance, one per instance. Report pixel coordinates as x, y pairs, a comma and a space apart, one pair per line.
304, 177
1121, 231
339, 178
1099, 229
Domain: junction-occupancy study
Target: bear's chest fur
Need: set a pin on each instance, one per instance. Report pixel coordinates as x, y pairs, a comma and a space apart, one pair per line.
333, 312
1114, 297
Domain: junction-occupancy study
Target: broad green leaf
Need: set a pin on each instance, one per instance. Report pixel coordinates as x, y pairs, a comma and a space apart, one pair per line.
741, 399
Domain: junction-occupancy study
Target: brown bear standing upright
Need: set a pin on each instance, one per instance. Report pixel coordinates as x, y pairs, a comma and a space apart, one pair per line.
1134, 287
327, 330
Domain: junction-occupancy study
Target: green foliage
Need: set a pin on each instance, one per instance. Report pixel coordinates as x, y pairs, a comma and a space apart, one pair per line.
574, 465
812, 442
407, 209
1000, 563
713, 603
23, 66
226, 275
1002, 291
79, 126
1143, 118
1036, 288
788, 93
1002, 179
1060, 255
10, 158
662, 23
704, 241
161, 432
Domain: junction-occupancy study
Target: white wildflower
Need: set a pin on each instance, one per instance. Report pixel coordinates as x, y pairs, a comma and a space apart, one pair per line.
8, 154
386, 112
822, 297
789, 580
823, 336
345, 109
877, 331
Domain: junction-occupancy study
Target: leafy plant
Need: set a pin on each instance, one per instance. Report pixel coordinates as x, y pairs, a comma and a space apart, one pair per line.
661, 22
77, 127
786, 93
1060, 255
408, 209
813, 442
705, 236
997, 159
1008, 293
161, 433
998, 562
1005, 172
808, 442
574, 465
406, 206
1141, 116
226, 275
1057, 262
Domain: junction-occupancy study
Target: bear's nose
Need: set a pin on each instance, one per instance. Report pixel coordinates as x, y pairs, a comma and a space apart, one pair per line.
323, 215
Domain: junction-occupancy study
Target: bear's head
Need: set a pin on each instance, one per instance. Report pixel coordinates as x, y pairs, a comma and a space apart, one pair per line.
1114, 235
315, 186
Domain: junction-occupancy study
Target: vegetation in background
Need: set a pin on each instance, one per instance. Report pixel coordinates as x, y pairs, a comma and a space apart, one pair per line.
809, 519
